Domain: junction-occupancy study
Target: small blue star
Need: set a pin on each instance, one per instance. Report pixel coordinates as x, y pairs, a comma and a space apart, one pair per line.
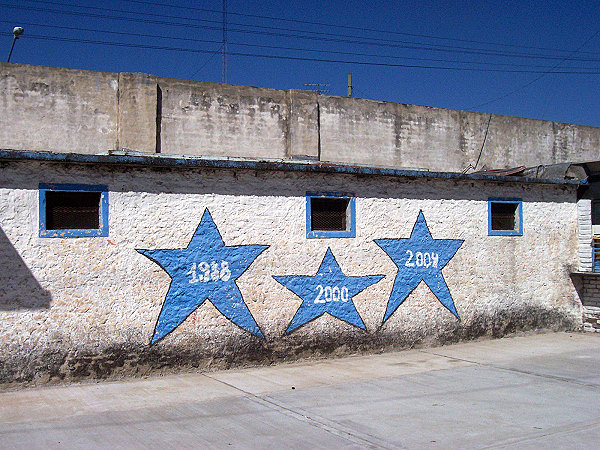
205, 269
419, 258
329, 291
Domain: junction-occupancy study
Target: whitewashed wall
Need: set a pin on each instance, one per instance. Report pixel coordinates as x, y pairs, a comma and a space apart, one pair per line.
80, 307
584, 235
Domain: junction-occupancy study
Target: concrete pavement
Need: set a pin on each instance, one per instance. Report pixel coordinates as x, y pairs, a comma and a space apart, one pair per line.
535, 391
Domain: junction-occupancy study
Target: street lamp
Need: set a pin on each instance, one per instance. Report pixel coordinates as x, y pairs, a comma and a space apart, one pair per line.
17, 33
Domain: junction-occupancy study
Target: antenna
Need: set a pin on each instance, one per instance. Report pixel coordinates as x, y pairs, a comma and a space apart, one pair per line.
17, 33
319, 88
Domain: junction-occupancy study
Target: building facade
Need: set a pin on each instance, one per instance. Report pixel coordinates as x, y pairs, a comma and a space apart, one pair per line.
150, 224
208, 263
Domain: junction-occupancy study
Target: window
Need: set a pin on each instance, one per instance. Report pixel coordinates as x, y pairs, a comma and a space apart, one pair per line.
73, 210
505, 217
595, 212
330, 214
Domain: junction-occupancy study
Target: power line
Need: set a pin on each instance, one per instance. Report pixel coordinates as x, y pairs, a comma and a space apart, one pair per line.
277, 47
543, 74
216, 52
336, 35
300, 58
393, 44
349, 27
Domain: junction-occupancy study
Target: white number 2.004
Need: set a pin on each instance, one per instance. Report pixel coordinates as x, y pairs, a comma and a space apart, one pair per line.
331, 294
209, 272
422, 259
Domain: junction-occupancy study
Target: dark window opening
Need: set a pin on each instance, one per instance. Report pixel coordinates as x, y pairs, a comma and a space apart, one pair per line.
504, 216
329, 214
596, 212
72, 210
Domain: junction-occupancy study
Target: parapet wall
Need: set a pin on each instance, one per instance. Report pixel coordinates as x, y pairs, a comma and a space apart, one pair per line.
66, 110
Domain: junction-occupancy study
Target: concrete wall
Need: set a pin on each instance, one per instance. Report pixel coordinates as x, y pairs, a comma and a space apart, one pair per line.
89, 307
57, 110
64, 110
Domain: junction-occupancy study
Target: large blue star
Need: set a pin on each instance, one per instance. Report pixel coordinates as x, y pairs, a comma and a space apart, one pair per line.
205, 269
419, 258
328, 291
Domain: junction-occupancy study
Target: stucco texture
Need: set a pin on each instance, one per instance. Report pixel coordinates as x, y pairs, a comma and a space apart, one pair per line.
72, 308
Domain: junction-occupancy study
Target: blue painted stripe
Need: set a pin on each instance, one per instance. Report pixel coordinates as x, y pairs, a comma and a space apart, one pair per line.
263, 164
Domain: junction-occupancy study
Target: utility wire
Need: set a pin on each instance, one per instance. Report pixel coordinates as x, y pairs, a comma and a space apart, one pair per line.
348, 27
542, 75
299, 58
276, 47
393, 44
161, 15
215, 53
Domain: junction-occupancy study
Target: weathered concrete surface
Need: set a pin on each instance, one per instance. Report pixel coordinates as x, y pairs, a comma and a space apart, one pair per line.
394, 134
201, 118
304, 122
57, 110
537, 391
64, 110
138, 103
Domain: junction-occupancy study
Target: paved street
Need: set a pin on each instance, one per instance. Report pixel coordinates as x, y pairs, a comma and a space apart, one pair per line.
537, 391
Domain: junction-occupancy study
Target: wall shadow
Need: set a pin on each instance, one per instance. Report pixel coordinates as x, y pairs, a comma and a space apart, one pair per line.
260, 183
18, 287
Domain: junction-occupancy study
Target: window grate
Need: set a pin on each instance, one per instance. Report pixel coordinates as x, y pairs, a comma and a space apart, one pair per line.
504, 216
329, 214
72, 210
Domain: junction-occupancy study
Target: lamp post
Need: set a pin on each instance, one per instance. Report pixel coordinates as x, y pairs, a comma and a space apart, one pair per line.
17, 33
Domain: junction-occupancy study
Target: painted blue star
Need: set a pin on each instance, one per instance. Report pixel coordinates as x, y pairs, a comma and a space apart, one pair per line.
329, 291
205, 269
420, 258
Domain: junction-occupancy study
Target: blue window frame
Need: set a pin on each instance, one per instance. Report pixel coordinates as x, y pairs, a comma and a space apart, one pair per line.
73, 210
330, 215
505, 217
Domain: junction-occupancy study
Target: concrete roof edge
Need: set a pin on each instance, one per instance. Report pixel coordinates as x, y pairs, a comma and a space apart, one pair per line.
149, 160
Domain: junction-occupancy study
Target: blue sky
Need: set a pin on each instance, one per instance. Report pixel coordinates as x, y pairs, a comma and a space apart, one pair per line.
517, 46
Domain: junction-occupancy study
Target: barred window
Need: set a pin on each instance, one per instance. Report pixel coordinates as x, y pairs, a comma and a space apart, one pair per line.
505, 217
73, 210
330, 215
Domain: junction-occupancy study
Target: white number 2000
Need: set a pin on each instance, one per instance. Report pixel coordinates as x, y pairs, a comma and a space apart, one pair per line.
331, 294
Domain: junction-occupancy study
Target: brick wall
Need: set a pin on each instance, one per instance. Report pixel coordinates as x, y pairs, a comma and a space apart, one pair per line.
591, 304
584, 234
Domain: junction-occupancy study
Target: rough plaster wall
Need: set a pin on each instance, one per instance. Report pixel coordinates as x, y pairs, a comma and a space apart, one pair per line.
210, 119
57, 110
80, 307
